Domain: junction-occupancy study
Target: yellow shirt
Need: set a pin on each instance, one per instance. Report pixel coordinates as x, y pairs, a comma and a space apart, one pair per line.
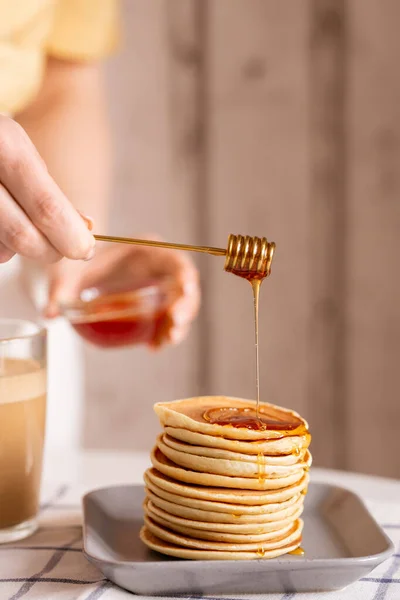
30, 30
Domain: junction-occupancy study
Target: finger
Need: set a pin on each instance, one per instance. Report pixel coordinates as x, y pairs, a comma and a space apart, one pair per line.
187, 280
175, 326
186, 306
25, 176
177, 334
55, 293
64, 285
179, 266
181, 313
5, 253
52, 309
59, 292
170, 335
161, 335
18, 234
88, 220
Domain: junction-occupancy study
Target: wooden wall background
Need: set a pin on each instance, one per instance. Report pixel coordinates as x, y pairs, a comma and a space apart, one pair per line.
280, 119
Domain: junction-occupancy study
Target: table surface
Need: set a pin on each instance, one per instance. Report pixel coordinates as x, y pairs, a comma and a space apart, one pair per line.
50, 564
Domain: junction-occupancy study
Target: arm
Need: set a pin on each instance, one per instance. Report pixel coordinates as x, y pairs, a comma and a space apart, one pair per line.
67, 124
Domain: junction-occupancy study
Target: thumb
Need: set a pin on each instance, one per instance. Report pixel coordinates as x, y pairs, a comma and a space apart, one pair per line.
61, 289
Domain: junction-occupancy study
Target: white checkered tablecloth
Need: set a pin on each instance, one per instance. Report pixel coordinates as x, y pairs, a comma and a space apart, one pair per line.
50, 564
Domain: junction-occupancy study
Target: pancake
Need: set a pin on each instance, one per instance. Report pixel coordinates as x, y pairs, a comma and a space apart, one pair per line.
229, 468
207, 505
286, 445
217, 536
240, 497
210, 516
189, 414
253, 528
165, 547
227, 483
167, 467
292, 534
218, 453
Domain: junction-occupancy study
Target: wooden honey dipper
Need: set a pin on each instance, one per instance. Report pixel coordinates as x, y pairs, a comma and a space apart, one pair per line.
245, 254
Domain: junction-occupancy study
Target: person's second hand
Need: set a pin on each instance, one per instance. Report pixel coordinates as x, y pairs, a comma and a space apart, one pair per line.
135, 265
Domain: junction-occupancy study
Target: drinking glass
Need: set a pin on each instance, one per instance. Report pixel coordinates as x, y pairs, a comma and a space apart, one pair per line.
23, 385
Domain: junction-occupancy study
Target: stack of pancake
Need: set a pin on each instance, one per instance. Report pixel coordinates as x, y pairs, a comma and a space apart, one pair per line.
226, 483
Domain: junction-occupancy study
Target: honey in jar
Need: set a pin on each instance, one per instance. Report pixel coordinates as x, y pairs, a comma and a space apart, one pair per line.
122, 318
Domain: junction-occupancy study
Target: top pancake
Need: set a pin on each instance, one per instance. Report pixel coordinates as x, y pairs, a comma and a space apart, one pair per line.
189, 414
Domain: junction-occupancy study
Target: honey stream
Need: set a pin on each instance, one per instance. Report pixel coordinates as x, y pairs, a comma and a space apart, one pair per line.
256, 285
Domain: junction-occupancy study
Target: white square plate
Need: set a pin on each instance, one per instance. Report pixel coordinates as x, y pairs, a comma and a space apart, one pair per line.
342, 543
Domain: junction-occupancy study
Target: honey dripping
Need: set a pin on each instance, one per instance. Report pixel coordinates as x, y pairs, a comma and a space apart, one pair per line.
297, 552
260, 552
250, 259
255, 282
256, 285
246, 417
261, 467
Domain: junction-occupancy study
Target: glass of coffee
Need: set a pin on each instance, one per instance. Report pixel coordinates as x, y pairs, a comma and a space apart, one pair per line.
22, 425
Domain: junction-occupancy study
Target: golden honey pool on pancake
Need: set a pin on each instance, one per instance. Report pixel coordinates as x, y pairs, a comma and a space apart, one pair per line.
230, 468
291, 535
233, 517
163, 547
167, 467
220, 494
222, 507
288, 445
252, 528
189, 414
219, 453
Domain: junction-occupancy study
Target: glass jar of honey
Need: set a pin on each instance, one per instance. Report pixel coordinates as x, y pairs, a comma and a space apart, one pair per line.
111, 316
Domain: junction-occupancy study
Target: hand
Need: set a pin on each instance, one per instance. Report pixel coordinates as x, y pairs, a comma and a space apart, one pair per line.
134, 265
36, 219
